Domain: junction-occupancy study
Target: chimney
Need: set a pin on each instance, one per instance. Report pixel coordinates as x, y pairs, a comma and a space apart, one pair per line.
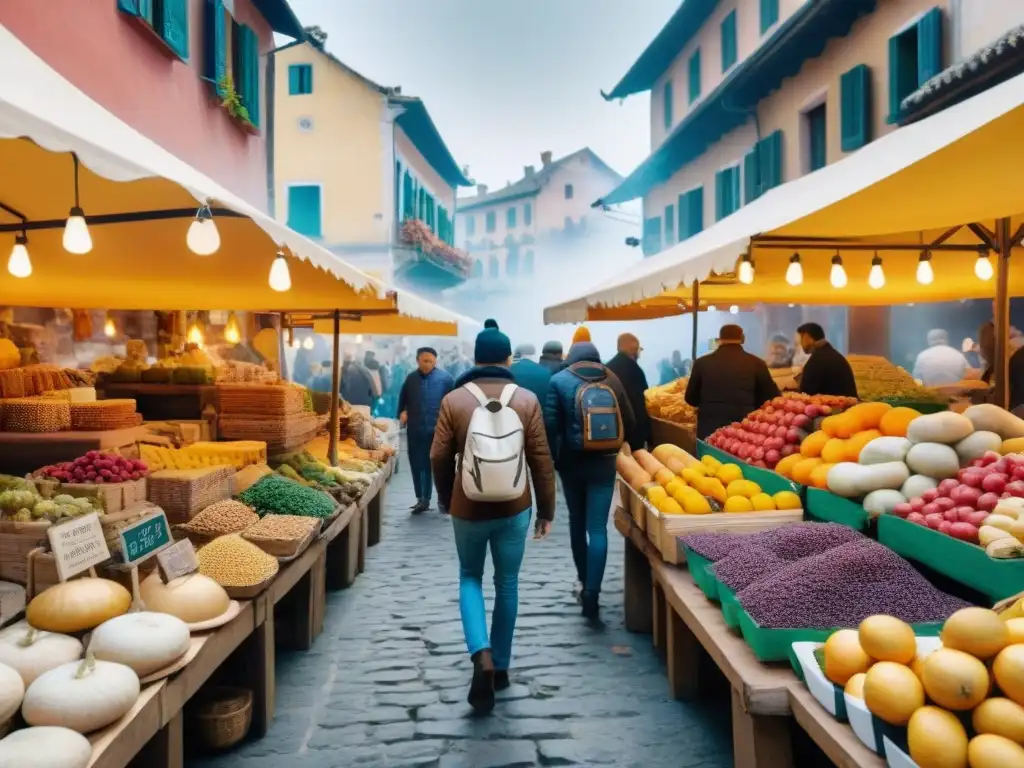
528, 171
481, 189
545, 158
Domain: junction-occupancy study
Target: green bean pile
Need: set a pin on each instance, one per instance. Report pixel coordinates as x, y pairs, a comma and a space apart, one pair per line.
277, 495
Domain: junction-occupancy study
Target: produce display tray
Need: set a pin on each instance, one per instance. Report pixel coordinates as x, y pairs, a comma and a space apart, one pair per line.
826, 507
730, 606
919, 407
963, 562
770, 482
702, 576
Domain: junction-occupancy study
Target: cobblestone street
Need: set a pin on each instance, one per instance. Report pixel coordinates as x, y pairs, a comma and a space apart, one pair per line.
385, 685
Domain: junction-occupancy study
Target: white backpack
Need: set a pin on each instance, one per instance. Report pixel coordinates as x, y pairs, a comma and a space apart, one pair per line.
493, 462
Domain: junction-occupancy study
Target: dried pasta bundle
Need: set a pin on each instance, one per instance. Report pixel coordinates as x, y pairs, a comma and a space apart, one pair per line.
35, 414
102, 415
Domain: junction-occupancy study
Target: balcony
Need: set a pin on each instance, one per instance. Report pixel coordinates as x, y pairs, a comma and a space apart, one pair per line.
426, 262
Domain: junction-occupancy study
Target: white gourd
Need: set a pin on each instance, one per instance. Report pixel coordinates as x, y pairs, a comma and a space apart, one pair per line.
884, 449
943, 427
976, 445
31, 652
145, 641
12, 690
882, 502
83, 696
844, 479
891, 475
194, 598
916, 485
992, 418
45, 747
934, 460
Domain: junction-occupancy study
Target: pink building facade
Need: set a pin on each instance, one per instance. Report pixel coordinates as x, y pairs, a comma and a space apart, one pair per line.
162, 66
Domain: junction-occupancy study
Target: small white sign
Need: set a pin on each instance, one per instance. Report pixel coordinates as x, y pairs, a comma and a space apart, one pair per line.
179, 559
305, 124
78, 545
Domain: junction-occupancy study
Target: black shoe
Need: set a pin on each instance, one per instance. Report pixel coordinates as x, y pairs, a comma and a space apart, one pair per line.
443, 510
481, 690
501, 681
591, 609
421, 506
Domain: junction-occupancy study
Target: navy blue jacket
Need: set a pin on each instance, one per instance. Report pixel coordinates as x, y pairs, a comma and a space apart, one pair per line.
421, 396
532, 376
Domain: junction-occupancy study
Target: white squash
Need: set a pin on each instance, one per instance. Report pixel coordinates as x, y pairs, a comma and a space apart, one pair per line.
78, 605
31, 651
934, 460
882, 502
944, 427
84, 696
844, 479
992, 418
884, 449
891, 475
145, 641
1003, 522
12, 690
975, 446
45, 747
917, 485
1011, 506
194, 598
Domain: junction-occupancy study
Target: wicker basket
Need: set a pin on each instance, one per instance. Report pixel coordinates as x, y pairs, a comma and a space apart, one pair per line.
181, 493
16, 541
224, 719
259, 399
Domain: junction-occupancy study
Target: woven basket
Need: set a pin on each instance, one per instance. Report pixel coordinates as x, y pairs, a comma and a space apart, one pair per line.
224, 719
259, 399
181, 493
16, 541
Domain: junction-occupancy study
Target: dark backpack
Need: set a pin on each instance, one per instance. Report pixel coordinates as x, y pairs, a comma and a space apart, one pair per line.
597, 406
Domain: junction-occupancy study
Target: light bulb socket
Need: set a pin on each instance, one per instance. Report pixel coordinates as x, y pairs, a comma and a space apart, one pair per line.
926, 256
837, 260
204, 213
21, 239
877, 261
76, 211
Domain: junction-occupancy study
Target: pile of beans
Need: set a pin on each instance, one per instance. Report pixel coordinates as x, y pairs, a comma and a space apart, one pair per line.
791, 542
232, 561
714, 546
746, 565
220, 518
274, 494
844, 585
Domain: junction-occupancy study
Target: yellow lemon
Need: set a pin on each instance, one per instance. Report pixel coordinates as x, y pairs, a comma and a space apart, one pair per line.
786, 500
738, 504
762, 502
729, 472
710, 462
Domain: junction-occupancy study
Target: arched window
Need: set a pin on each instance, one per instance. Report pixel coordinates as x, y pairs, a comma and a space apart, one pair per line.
495, 268
478, 268
512, 262
528, 263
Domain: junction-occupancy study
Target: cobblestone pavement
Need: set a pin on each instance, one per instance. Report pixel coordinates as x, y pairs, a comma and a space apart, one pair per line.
386, 683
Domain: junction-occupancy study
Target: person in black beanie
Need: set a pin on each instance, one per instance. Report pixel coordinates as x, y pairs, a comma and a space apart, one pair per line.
552, 357
418, 405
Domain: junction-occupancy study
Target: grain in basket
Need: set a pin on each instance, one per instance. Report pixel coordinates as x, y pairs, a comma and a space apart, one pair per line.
282, 535
232, 561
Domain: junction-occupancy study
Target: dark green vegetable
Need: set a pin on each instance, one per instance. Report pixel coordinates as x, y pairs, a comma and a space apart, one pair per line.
278, 495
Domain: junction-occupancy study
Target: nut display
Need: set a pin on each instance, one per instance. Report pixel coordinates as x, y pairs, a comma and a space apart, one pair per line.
285, 527
232, 561
221, 518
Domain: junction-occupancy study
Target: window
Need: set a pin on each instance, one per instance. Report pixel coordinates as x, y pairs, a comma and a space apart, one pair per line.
691, 213
769, 14
510, 218
694, 75
512, 262
568, 191
667, 105
408, 196
915, 56
670, 224
652, 236
231, 51
527, 215
762, 167
304, 209
817, 137
245, 69
528, 263
478, 268
495, 268
568, 223
470, 225
167, 18
727, 192
729, 54
855, 100
492, 221
300, 79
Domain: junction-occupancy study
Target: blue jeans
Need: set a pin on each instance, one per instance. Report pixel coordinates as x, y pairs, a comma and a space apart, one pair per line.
588, 494
419, 464
507, 540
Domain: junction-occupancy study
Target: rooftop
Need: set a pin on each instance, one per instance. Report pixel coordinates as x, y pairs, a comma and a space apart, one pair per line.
280, 16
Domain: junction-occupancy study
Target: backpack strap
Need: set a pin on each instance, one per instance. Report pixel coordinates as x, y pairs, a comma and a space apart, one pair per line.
506, 394
478, 393
577, 368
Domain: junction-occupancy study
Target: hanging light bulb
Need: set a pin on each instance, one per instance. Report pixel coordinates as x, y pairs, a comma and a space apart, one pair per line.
19, 264
203, 239
734, 310
925, 274
712, 308
280, 277
791, 305
308, 343
76, 232
983, 267
232, 331
794, 272
359, 338
876, 277
194, 335
838, 275
109, 328
746, 270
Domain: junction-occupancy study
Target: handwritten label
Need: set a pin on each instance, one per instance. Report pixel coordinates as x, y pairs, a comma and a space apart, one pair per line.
78, 545
145, 538
177, 560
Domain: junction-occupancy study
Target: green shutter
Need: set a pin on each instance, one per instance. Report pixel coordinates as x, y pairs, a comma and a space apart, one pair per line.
527, 215
695, 216
491, 221
855, 98
652, 236
215, 38
667, 103
929, 46
729, 41
131, 7
769, 14
720, 196
294, 80
670, 224
407, 196
751, 176
683, 225
770, 157
694, 76
252, 74
510, 218
304, 215
894, 77
174, 26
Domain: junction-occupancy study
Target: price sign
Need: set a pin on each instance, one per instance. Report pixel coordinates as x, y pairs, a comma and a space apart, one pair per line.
78, 545
179, 559
145, 538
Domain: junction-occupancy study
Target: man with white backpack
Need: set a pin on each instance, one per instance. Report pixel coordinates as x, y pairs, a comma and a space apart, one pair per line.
489, 444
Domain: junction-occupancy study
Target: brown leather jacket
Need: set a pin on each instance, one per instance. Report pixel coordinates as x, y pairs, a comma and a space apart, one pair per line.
450, 438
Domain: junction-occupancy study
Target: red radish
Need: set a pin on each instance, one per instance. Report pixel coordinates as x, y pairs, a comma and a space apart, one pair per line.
933, 520
972, 478
772, 457
1016, 488
946, 486
902, 510
988, 501
916, 517
964, 514
945, 527
990, 457
931, 508
930, 495
978, 518
966, 495
944, 503
950, 515
964, 532
917, 504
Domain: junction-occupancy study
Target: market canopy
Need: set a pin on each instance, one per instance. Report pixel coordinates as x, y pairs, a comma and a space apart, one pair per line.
139, 201
917, 189
384, 325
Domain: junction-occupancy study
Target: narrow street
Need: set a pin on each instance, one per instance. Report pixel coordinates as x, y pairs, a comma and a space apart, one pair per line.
385, 684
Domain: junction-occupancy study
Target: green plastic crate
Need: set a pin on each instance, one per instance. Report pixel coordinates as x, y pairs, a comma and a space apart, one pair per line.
770, 482
964, 563
919, 407
702, 576
825, 506
730, 606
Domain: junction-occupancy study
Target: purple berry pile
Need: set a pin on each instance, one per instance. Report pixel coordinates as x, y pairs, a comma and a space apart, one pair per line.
747, 565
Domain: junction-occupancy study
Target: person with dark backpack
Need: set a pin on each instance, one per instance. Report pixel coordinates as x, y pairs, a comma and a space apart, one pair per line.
587, 416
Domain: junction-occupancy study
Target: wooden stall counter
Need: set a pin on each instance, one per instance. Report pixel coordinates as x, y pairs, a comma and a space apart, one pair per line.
25, 452
836, 740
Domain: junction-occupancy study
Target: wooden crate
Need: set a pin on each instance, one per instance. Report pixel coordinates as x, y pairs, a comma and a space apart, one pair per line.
683, 435
113, 496
673, 526
17, 540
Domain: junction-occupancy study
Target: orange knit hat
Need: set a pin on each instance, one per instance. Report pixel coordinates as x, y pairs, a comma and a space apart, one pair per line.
582, 334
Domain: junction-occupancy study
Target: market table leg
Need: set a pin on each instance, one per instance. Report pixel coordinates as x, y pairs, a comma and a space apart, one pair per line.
759, 741
166, 749
318, 595
659, 610
352, 536
260, 668
376, 515
682, 655
297, 614
364, 530
637, 590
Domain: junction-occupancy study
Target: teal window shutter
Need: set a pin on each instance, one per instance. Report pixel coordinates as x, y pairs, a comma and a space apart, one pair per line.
131, 7
478, 268
294, 80
667, 105
894, 77
304, 214
495, 268
929, 46
770, 157
300, 79
652, 236
751, 176
492, 221
670, 224
252, 74
855, 99
215, 39
407, 196
470, 224
729, 53
174, 26
695, 214
510, 218
735, 200
684, 224
693, 70
528, 263
817, 130
769, 14
527, 215
720, 196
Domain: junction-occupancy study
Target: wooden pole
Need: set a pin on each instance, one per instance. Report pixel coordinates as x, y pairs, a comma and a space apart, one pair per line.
696, 308
1002, 314
335, 388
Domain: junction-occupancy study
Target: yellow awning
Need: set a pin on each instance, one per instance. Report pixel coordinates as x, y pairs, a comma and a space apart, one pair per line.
383, 325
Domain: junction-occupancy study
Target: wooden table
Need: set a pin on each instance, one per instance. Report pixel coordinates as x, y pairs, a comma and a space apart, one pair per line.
24, 452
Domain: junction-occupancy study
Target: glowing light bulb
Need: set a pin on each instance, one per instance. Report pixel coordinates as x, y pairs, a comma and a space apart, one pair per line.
876, 277
195, 335
308, 343
280, 277
734, 310
712, 308
359, 338
19, 264
925, 274
795, 272
109, 329
232, 333
746, 271
837, 277
791, 305
983, 268
203, 239
76, 233
294, 343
